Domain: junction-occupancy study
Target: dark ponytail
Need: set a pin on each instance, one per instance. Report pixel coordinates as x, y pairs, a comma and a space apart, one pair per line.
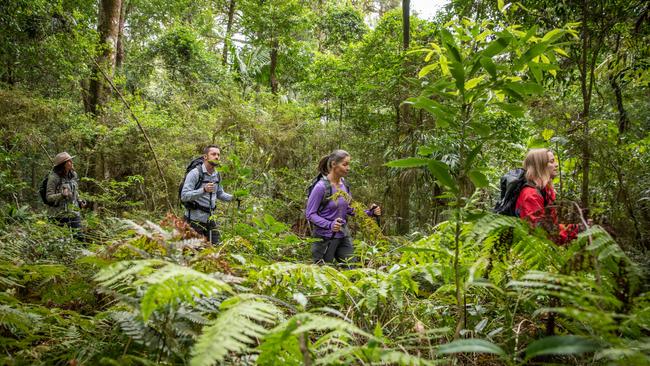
327, 161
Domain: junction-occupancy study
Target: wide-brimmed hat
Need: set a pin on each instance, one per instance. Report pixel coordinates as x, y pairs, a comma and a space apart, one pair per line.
61, 158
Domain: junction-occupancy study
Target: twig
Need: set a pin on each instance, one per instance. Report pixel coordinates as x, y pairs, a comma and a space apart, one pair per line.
153, 152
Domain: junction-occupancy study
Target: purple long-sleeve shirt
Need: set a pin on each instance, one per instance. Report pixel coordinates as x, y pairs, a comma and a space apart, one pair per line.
324, 220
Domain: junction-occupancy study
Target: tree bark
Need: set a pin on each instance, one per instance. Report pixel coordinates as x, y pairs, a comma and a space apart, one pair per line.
226, 41
274, 63
119, 56
108, 27
406, 23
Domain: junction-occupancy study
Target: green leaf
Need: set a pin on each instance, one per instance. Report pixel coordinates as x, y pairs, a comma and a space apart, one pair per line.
479, 179
561, 345
500, 5
536, 71
458, 72
489, 66
471, 346
433, 107
553, 35
525, 88
534, 51
408, 163
472, 83
427, 69
440, 170
496, 46
512, 109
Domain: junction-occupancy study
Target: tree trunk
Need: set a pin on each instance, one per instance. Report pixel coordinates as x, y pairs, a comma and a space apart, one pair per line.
274, 64
226, 41
406, 23
586, 102
108, 27
119, 56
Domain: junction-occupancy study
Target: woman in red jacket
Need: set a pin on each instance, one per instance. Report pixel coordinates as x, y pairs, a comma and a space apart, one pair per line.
537, 197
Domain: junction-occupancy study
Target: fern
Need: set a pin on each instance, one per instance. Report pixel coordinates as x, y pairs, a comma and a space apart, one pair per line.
18, 321
280, 278
235, 330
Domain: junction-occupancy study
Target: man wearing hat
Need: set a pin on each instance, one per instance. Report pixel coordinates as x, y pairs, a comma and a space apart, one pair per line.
63, 192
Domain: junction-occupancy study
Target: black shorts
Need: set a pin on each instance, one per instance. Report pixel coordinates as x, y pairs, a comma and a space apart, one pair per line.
328, 250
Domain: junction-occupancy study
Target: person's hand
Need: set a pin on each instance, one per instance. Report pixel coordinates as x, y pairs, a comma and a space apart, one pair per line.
66, 192
338, 223
375, 209
83, 204
208, 188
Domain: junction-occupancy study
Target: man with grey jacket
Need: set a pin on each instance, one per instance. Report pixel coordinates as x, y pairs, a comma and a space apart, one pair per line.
200, 192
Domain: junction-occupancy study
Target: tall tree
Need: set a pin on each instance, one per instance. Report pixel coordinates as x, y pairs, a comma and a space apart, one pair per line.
108, 27
232, 4
275, 24
406, 23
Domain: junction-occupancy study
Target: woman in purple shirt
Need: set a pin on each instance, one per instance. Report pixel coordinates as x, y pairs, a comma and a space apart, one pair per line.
329, 217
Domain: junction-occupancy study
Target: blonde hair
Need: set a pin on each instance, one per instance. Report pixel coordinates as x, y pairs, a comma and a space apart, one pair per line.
536, 166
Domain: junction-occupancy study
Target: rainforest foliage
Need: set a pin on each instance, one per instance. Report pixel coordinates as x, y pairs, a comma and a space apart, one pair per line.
433, 111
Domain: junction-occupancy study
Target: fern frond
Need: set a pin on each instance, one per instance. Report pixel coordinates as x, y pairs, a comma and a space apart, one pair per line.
125, 272
490, 223
235, 330
578, 291
278, 276
17, 321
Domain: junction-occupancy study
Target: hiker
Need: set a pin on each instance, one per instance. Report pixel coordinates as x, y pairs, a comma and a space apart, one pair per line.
329, 217
62, 193
201, 189
536, 198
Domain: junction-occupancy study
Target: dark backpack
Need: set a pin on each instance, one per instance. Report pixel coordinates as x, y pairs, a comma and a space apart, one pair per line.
511, 185
42, 191
195, 164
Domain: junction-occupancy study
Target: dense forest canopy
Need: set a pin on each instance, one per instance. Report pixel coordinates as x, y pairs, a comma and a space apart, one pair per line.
433, 112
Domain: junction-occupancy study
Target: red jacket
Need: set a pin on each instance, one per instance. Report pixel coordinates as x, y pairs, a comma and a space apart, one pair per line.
530, 206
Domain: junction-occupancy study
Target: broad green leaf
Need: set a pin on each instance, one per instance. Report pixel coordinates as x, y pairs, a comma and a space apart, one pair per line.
427, 69
489, 66
560, 51
458, 72
408, 163
536, 71
534, 51
479, 179
525, 88
512, 93
472, 83
561, 345
471, 346
553, 35
512, 109
440, 170
442, 114
444, 65
496, 46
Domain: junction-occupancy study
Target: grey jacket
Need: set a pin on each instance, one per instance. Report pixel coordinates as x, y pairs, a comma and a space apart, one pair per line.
63, 207
189, 194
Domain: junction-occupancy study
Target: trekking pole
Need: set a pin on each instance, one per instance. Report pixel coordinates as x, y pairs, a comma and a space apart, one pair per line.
209, 219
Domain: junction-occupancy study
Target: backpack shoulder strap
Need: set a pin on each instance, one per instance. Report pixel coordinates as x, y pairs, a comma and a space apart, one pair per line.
201, 176
326, 193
